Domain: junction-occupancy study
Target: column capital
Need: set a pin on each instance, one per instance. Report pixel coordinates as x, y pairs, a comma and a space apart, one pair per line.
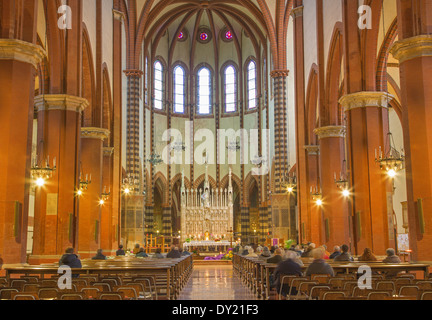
49, 102
13, 49
118, 15
331, 132
366, 99
95, 133
133, 73
279, 73
312, 149
412, 48
297, 12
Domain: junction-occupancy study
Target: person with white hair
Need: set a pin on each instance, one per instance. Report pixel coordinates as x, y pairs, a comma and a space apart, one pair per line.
251, 253
292, 255
319, 266
288, 267
336, 252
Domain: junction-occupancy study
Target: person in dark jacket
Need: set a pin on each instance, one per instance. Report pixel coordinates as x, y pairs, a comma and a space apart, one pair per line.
71, 259
141, 253
99, 256
174, 253
276, 258
345, 255
120, 251
287, 267
158, 254
319, 265
337, 252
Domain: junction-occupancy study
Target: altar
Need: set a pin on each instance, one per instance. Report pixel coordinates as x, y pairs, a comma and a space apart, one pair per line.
207, 216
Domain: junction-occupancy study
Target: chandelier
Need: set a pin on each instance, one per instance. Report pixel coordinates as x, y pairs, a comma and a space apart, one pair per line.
342, 182
317, 196
391, 161
289, 181
105, 194
234, 146
41, 174
178, 146
83, 184
258, 161
130, 185
155, 159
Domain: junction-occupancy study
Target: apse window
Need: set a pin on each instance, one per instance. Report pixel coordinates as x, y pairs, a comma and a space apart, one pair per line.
230, 90
252, 86
179, 90
158, 86
204, 91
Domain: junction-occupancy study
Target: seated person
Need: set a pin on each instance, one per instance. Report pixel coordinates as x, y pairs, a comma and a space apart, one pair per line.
308, 252
367, 255
288, 267
276, 258
326, 252
265, 254
99, 255
136, 249
392, 258
120, 251
158, 254
245, 251
251, 253
337, 252
345, 255
319, 266
174, 253
289, 255
71, 259
185, 253
141, 254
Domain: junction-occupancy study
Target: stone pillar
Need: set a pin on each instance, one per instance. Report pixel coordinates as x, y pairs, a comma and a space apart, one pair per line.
89, 218
414, 52
314, 214
335, 206
367, 115
56, 206
18, 64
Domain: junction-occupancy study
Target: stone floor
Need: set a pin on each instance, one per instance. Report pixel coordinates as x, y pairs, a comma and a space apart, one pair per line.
215, 283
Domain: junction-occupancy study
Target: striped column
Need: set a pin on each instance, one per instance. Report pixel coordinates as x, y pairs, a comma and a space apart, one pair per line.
133, 123
167, 224
264, 224
245, 224
280, 123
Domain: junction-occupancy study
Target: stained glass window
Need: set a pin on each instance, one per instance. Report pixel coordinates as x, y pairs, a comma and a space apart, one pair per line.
230, 89
179, 90
252, 85
204, 91
158, 85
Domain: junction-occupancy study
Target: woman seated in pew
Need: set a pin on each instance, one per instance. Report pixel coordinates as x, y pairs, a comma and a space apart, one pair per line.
367, 256
265, 254
319, 266
392, 258
294, 257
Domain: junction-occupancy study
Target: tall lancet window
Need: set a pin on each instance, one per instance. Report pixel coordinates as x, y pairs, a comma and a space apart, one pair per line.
179, 90
204, 91
252, 85
230, 89
158, 85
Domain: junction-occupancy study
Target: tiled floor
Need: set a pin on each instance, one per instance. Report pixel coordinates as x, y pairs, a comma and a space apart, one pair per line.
215, 283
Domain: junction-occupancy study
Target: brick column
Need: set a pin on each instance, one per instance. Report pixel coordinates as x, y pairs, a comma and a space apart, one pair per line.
313, 220
367, 115
414, 52
109, 217
18, 62
335, 207
89, 218
56, 206
167, 223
